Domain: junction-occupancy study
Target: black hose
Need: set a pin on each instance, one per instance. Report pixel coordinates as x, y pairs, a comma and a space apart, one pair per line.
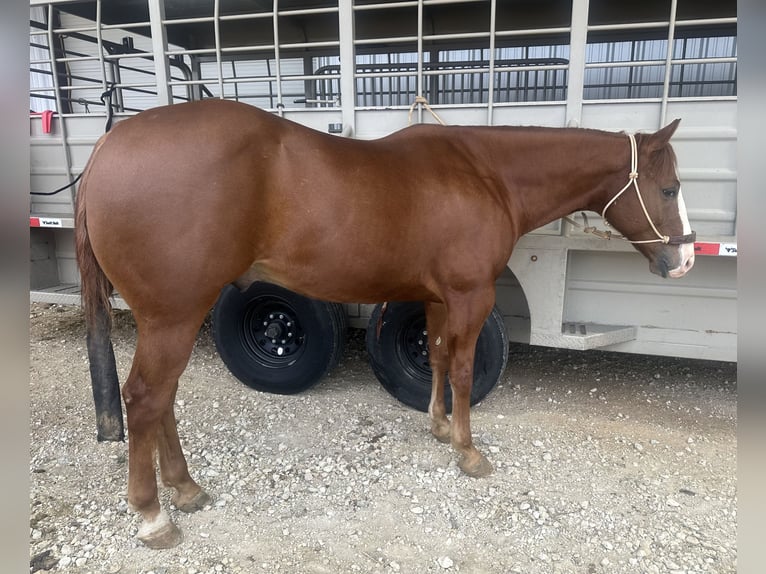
107, 95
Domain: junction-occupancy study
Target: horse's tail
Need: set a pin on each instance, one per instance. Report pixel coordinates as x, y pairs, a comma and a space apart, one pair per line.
96, 289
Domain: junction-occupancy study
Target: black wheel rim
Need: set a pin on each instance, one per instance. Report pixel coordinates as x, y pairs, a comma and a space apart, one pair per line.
412, 348
271, 332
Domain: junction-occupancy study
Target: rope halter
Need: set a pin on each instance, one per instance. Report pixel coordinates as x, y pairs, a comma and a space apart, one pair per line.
633, 181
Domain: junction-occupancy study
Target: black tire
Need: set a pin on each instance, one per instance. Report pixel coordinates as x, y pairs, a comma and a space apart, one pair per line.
397, 358
277, 341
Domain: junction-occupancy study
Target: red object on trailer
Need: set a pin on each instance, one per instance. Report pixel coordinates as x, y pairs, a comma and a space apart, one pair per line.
46, 117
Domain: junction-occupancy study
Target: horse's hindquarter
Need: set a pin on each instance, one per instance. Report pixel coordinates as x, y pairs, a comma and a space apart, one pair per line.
207, 194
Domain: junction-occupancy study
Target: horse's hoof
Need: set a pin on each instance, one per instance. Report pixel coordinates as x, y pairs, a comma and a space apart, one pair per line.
198, 502
477, 467
160, 533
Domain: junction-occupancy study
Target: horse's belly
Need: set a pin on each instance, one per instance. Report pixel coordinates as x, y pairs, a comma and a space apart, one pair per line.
355, 281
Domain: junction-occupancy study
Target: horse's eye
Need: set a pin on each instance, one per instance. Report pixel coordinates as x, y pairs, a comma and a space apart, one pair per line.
670, 192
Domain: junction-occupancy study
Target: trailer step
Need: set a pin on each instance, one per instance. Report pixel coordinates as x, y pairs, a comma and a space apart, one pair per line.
67, 294
592, 336
584, 336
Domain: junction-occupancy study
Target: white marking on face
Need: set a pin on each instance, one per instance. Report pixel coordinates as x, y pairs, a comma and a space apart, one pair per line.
685, 250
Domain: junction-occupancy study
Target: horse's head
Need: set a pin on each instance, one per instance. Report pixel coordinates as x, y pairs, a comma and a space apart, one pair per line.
651, 212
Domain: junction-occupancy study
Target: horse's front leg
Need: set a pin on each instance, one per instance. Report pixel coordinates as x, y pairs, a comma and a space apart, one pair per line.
466, 316
438, 359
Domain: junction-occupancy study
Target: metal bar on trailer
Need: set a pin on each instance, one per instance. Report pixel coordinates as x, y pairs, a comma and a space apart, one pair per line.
249, 16
386, 74
77, 59
410, 4
628, 26
491, 82
126, 26
348, 64
668, 63
706, 21
235, 77
456, 36
578, 41
307, 11
419, 79
217, 33
721, 60
247, 49
447, 71
190, 52
159, 48
100, 48
57, 93
74, 30
278, 62
623, 64
696, 99
391, 40
196, 20
533, 32
328, 44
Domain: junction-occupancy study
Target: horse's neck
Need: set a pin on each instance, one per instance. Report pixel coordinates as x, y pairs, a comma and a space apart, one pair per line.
548, 174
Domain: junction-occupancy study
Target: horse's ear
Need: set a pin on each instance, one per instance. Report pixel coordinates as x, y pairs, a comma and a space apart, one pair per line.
660, 139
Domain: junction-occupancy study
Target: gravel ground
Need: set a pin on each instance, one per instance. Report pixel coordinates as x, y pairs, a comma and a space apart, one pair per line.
604, 463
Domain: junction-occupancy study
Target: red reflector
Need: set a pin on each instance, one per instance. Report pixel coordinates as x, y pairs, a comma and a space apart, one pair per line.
706, 248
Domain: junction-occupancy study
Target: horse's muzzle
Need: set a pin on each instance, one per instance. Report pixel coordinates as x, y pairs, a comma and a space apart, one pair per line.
683, 258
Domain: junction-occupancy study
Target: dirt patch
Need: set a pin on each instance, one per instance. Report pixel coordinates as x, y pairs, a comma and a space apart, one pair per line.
604, 462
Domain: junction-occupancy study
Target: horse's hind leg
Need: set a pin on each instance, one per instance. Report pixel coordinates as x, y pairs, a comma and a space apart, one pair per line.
174, 471
438, 358
162, 352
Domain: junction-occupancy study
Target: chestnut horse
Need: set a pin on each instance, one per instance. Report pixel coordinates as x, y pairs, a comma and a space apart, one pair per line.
179, 201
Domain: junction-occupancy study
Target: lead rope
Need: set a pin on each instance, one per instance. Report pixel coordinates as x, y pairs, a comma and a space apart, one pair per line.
421, 100
632, 180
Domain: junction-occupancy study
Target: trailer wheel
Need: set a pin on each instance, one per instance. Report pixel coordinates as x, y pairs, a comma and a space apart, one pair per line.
277, 341
399, 354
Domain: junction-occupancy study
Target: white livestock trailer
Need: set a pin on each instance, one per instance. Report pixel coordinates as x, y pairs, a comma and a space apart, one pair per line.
365, 68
